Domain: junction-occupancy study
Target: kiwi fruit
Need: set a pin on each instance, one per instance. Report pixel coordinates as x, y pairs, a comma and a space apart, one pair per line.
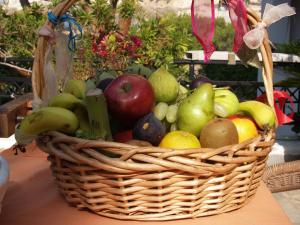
218, 133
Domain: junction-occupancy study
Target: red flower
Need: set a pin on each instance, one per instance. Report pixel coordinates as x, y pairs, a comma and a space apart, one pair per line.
114, 46
136, 40
103, 53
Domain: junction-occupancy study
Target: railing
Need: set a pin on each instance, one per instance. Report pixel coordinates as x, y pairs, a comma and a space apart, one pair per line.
16, 86
11, 84
11, 87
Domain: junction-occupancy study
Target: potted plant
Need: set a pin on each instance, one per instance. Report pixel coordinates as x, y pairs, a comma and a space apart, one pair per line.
115, 50
126, 11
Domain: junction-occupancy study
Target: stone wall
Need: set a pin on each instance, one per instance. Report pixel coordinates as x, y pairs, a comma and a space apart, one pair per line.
15, 5
152, 6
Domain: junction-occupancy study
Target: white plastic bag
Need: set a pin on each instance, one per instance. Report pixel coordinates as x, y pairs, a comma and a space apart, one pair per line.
51, 81
58, 70
64, 57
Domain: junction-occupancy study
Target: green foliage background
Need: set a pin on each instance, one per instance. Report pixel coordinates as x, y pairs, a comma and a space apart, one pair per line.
18, 32
164, 39
127, 8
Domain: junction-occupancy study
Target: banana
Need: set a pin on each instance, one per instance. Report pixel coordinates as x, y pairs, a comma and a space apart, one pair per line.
83, 118
76, 88
64, 100
263, 114
46, 119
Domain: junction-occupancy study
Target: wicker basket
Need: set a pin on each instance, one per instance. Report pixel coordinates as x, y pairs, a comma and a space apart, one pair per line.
283, 176
151, 183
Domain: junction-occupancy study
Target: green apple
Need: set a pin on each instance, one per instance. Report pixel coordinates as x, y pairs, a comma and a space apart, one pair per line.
225, 103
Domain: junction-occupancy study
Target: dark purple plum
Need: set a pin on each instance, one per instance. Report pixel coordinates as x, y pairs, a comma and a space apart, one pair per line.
150, 129
103, 84
200, 80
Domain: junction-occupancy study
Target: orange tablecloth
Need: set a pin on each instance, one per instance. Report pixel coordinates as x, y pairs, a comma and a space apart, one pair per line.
32, 199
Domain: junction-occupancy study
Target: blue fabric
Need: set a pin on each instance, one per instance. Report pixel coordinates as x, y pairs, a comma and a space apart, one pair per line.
70, 21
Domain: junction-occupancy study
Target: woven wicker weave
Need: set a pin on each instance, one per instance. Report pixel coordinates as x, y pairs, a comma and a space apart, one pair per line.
283, 177
149, 183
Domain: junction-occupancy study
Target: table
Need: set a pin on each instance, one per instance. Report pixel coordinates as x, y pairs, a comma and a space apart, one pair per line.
32, 199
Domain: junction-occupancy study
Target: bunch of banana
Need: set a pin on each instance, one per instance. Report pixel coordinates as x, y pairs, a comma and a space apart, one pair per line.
65, 100
84, 124
76, 88
58, 116
46, 119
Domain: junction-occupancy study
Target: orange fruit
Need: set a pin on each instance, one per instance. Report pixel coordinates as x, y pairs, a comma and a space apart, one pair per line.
245, 127
180, 140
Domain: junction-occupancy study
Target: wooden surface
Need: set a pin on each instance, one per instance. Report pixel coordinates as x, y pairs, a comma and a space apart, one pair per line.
32, 199
10, 111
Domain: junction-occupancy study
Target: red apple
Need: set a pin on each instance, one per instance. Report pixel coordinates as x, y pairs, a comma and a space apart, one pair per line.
123, 136
129, 97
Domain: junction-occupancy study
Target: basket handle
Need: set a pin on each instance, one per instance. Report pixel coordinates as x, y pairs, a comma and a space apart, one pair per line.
266, 53
38, 81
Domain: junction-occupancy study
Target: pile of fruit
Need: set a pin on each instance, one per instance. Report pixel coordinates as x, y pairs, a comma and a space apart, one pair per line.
156, 111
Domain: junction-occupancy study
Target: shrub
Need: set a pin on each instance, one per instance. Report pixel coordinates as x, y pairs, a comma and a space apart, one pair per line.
167, 38
18, 32
164, 39
127, 8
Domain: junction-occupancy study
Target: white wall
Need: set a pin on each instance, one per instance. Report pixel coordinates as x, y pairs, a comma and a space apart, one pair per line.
280, 31
295, 22
14, 5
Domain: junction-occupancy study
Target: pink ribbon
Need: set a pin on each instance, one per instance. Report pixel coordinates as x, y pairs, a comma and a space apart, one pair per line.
280, 97
238, 17
203, 23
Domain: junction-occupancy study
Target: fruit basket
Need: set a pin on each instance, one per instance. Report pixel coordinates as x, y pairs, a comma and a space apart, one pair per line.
155, 183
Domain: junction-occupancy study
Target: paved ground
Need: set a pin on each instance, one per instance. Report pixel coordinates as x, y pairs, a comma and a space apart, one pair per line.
290, 202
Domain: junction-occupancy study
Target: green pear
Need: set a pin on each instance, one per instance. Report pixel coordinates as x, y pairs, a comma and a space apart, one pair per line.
196, 110
165, 85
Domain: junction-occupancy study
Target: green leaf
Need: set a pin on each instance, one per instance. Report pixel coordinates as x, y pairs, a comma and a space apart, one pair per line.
139, 69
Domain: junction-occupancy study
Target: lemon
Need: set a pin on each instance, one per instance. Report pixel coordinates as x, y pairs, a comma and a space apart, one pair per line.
245, 127
180, 140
